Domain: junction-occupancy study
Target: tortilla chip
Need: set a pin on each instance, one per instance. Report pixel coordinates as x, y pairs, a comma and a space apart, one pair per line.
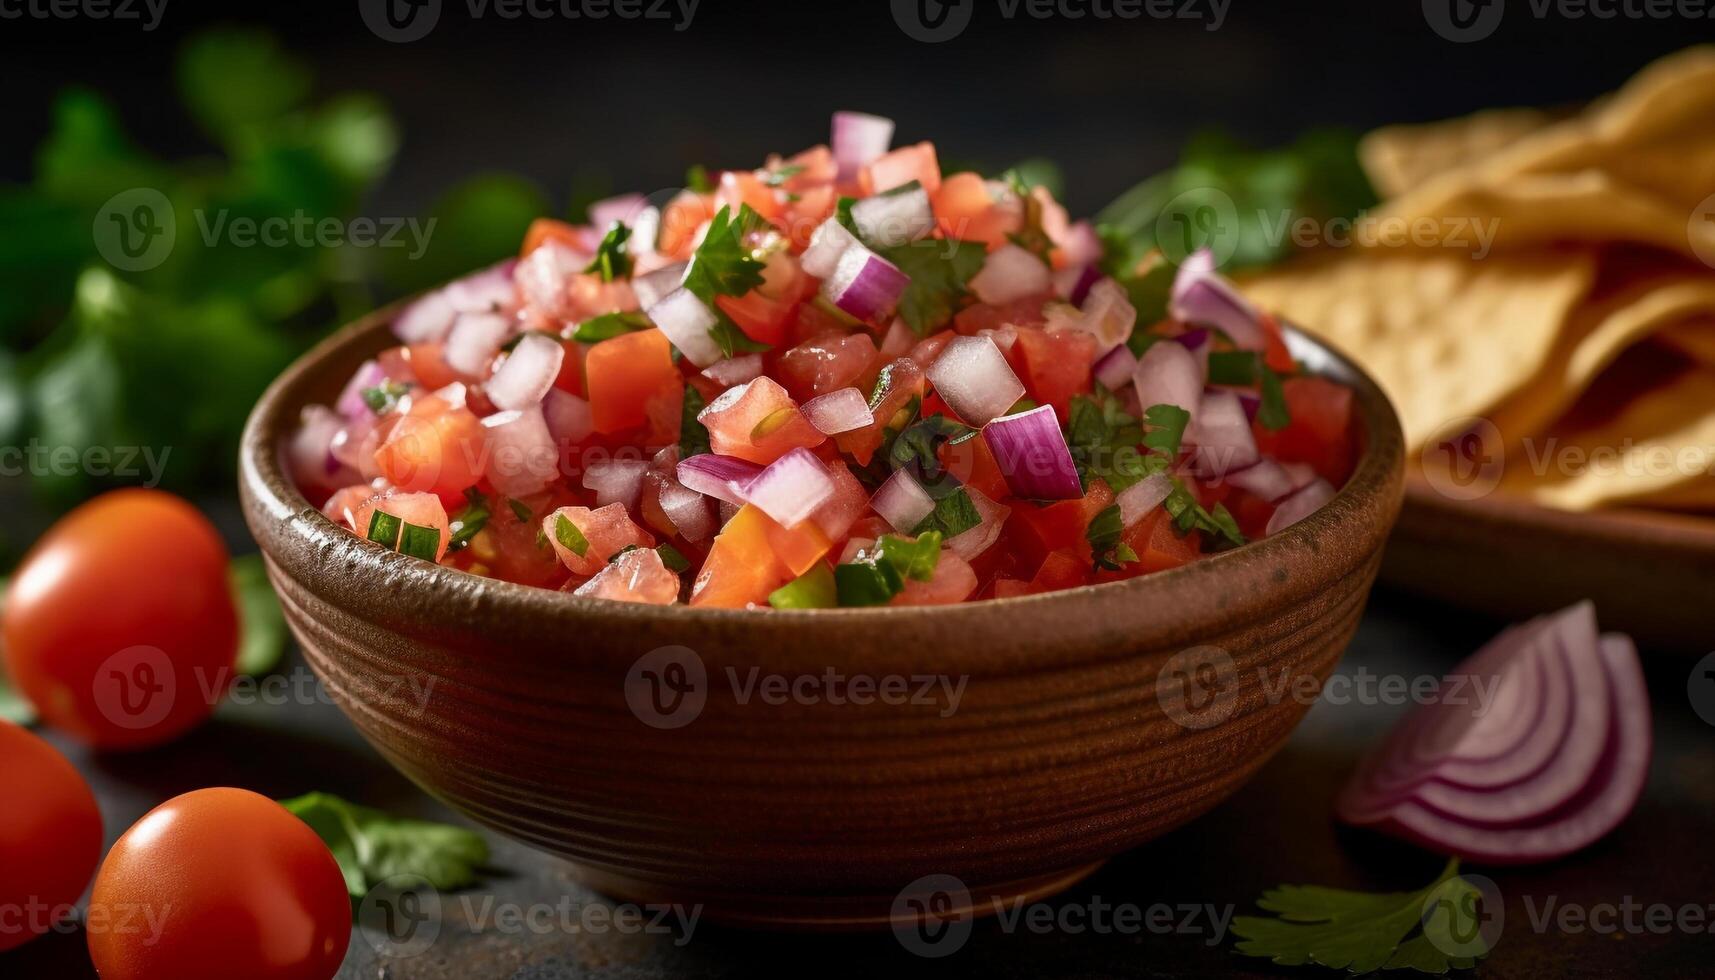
1694, 340
1399, 158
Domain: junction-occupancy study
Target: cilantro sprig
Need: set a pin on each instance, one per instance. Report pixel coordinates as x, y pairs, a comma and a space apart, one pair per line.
1104, 534
371, 846
725, 265
610, 325
940, 270
612, 259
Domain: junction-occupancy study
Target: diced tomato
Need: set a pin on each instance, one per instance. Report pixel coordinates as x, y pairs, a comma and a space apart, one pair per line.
764, 312
1026, 312
436, 448
741, 187
421, 509
1251, 512
976, 210
1065, 569
797, 548
606, 532
953, 581
571, 376
812, 168
681, 219
1277, 356
624, 373
741, 568
813, 206
509, 547
636, 576
1009, 588
1054, 365
900, 167
930, 348
838, 513
972, 463
826, 363
1320, 433
1158, 546
758, 421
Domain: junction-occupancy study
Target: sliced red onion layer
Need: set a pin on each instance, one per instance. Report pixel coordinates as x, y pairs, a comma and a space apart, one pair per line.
686, 322
1265, 478
350, 404
1011, 272
715, 476
1114, 369
522, 456
838, 411
902, 502
1074, 281
527, 374
474, 340
1298, 505
689, 510
1033, 455
970, 543
974, 379
615, 481
1536, 746
1301, 474
864, 284
1108, 313
1081, 245
1167, 374
1203, 297
1137, 500
487, 291
568, 416
828, 242
624, 209
1221, 432
789, 489
858, 139
653, 287
735, 370
310, 451
895, 218
426, 320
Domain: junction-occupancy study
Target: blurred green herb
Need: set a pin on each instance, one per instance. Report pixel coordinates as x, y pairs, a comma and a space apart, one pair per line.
263, 637
13, 707
372, 846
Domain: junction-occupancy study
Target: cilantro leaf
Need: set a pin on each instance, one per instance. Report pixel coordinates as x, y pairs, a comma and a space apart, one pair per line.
1104, 534
612, 259
263, 639
939, 270
723, 265
778, 178
953, 515
372, 846
673, 559
1104, 438
693, 435
1363, 932
917, 448
610, 325
519, 510
467, 522
1233, 367
1166, 428
1272, 413
1189, 515
697, 179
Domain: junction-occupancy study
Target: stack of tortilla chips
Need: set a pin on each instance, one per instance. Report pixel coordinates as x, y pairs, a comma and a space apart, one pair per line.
1547, 283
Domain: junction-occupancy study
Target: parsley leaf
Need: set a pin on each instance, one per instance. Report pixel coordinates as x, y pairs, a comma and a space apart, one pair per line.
939, 269
1104, 534
610, 325
723, 265
372, 846
612, 259
1166, 428
693, 435
918, 449
1362, 932
953, 515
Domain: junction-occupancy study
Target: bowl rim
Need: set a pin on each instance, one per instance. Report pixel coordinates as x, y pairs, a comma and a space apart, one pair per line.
1368, 503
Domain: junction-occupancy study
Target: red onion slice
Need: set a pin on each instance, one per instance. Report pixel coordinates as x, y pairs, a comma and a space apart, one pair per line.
568, 416
1221, 432
1167, 374
895, 218
973, 377
858, 139
902, 502
310, 450
1301, 504
488, 291
350, 404
1115, 368
715, 476
828, 242
1081, 245
1073, 283
687, 322
789, 489
970, 543
1203, 297
473, 342
653, 287
1265, 478
1137, 500
838, 411
1011, 272
426, 320
864, 284
1033, 455
616, 481
527, 374
735, 370
521, 454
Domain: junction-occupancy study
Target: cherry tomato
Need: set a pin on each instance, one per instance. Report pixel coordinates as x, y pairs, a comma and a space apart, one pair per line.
120, 625
50, 837
220, 883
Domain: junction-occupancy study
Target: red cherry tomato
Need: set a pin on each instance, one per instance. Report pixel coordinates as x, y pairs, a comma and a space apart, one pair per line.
120, 625
216, 884
50, 837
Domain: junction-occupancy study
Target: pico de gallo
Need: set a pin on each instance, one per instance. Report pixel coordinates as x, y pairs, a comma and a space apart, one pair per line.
842, 379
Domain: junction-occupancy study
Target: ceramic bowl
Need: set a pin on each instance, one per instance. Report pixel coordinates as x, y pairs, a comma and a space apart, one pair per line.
813, 769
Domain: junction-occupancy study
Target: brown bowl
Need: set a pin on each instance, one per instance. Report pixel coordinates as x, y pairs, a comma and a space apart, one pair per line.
1076, 735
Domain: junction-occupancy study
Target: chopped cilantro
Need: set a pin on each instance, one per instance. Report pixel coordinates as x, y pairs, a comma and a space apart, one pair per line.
778, 178
671, 557
1104, 440
1273, 413
612, 259
918, 447
1031, 237
470, 520
384, 528
953, 515
939, 269
519, 510
815, 589
570, 537
1189, 515
610, 325
1233, 367
372, 847
732, 340
723, 264
697, 179
383, 397
693, 435
1104, 536
1166, 428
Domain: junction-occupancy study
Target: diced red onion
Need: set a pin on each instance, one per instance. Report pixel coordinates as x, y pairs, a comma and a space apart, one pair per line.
350, 404
348, 444
1201, 296
455, 394
828, 242
864, 284
527, 374
689, 510
1265, 478
1081, 245
1011, 272
970, 543
715, 476
1301, 474
487, 291
426, 320
895, 218
1114, 369
1073, 283
686, 322
897, 342
615, 481
735, 370
789, 489
1221, 433
1033, 455
902, 502
858, 139
1167, 374
973, 377
568, 416
1137, 500
1299, 504
624, 209
521, 455
474, 340
653, 287
310, 451
838, 411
